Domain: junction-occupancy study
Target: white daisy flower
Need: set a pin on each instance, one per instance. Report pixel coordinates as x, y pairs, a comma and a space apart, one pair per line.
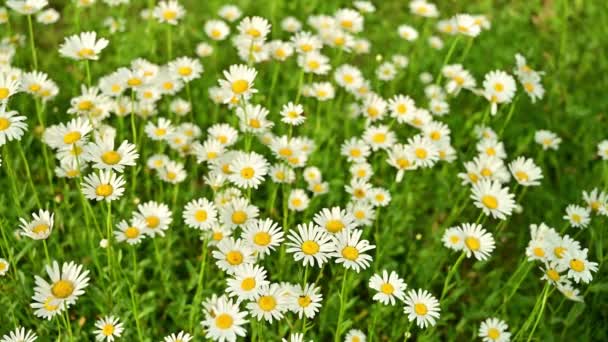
476, 241
238, 82
498, 87
83, 46
216, 29
103, 185
200, 214
67, 284
298, 200
130, 233
20, 334
40, 227
225, 321
233, 253
334, 220
4, 266
389, 287
246, 282
310, 243
493, 199
305, 301
349, 249
264, 236
156, 215
494, 330
269, 304
108, 328
104, 156
577, 216
179, 337
579, 268
525, 171
422, 307
186, 68
169, 12
248, 170
12, 126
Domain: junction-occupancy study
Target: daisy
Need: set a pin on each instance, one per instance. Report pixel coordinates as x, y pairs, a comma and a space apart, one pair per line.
402, 158
305, 301
595, 199
8, 87
362, 171
186, 68
355, 335
168, 12
577, 216
40, 227
349, 20
264, 236
298, 200
388, 286
318, 188
246, 282
309, 243
67, 284
104, 157
281, 173
466, 25
494, 330
359, 189
4, 266
363, 212
334, 220
421, 306
225, 321
253, 119
248, 170
407, 32
374, 107
179, 337
570, 292
533, 88
223, 133
305, 42
173, 172
269, 305
348, 76
498, 87
83, 46
292, 114
492, 148
424, 9
453, 238
280, 50
217, 29
73, 133
254, 28
579, 268
314, 62
12, 126
230, 12
26, 7
156, 215
493, 199
104, 185
108, 328
218, 233
200, 214
322, 91
423, 151
157, 161
233, 253
349, 249
476, 241
291, 24
525, 171
379, 197
130, 233
552, 272
20, 334
379, 137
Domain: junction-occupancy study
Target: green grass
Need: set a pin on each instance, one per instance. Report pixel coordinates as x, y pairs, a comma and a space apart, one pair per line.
565, 39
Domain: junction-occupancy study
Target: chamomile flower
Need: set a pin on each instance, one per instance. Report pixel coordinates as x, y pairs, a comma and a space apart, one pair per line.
12, 126
83, 46
498, 87
225, 321
424, 9
246, 282
40, 227
334, 220
291, 24
476, 241
533, 87
26, 7
389, 287
179, 337
305, 301
553, 272
402, 158
4, 266
525, 171
466, 25
579, 268
200, 214
453, 238
309, 243
104, 156
424, 152
67, 284
216, 29
280, 50
104, 185
595, 200
186, 68
494, 330
379, 197
8, 87
305, 42
238, 82
379, 137
349, 249
230, 12
254, 28
169, 12
253, 119
298, 200
232, 253
355, 335
570, 292
577, 216
493, 199
314, 62
492, 148
361, 171
407, 32
173, 172
20, 334
156, 215
292, 114
248, 170
269, 304
421, 306
363, 213
108, 328
264, 236
74, 133
281, 173
131, 233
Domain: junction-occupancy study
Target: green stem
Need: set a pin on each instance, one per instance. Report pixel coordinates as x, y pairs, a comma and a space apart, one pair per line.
447, 59
32, 45
194, 307
342, 306
446, 283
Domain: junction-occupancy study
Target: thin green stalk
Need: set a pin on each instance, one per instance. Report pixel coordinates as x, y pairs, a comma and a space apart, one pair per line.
342, 306
194, 307
169, 42
88, 72
32, 45
446, 60
29, 175
446, 283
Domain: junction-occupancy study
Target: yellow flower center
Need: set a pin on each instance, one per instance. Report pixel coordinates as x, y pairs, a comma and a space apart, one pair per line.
350, 253
217, 236
184, 71
420, 309
576, 218
240, 86
169, 14
239, 217
72, 137
310, 247
493, 333
499, 87
62, 289
296, 202
472, 243
3, 93
4, 124
435, 135
387, 288
215, 33
234, 258
248, 284
539, 252
247, 172
314, 65
553, 274
304, 301
111, 157
261, 238
104, 190
379, 138
152, 221
421, 153
373, 112
40, 229
267, 303
223, 321
522, 176
200, 215
86, 52
107, 330
559, 252
577, 265
489, 201
255, 123
132, 232
334, 226
346, 23
253, 32
454, 239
